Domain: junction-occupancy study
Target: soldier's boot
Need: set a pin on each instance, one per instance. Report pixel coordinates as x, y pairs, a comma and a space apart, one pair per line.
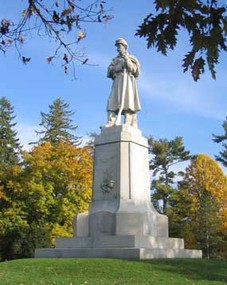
110, 119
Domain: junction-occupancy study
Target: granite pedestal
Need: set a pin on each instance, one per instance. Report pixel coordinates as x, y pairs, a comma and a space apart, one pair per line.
121, 221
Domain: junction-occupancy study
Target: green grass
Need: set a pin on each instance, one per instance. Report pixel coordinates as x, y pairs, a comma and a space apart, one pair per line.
112, 271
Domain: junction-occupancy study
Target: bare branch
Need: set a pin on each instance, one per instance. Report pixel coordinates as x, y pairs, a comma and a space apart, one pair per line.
60, 21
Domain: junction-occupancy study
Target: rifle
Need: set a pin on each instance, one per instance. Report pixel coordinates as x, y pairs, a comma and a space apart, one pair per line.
118, 119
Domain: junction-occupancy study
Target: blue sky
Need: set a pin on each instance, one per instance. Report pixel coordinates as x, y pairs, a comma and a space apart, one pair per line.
172, 103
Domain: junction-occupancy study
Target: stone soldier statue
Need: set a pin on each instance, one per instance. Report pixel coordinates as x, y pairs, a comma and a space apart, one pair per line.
123, 99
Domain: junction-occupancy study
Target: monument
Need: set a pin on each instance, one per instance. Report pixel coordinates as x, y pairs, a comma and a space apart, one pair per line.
121, 221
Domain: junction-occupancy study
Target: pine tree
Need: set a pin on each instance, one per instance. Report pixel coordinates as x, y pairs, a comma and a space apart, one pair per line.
9, 143
57, 124
208, 223
222, 157
91, 142
165, 154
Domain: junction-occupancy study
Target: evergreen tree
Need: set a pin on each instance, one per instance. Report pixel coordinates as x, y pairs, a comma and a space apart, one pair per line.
9, 143
222, 157
207, 224
57, 124
165, 154
91, 142
9, 164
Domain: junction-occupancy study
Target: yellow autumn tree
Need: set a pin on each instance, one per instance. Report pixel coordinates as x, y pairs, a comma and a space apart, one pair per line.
206, 187
57, 181
14, 228
204, 174
40, 198
11, 208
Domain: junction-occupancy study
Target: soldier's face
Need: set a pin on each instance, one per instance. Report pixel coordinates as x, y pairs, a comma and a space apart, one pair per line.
121, 49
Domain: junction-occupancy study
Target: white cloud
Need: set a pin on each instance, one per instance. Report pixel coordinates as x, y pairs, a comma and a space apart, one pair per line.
204, 98
26, 135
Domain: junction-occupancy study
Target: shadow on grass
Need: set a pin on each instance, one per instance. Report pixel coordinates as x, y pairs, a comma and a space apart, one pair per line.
194, 269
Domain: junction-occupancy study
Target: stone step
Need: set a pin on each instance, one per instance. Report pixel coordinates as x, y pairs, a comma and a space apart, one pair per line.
125, 253
130, 241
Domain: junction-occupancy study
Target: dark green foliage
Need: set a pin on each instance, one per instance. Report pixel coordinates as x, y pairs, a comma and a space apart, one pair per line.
165, 154
179, 204
21, 241
199, 230
205, 22
207, 224
57, 124
222, 157
91, 142
9, 144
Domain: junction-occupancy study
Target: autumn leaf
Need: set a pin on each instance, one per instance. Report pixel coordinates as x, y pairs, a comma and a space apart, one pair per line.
66, 12
24, 13
81, 35
55, 17
65, 58
25, 60
49, 59
21, 39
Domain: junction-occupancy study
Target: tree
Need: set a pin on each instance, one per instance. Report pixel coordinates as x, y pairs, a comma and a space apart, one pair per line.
57, 124
13, 224
206, 187
40, 199
91, 142
9, 143
59, 20
179, 218
208, 223
10, 150
220, 139
56, 184
205, 22
165, 154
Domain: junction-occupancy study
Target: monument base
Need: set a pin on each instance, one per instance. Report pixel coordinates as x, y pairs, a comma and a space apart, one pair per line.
121, 221
125, 247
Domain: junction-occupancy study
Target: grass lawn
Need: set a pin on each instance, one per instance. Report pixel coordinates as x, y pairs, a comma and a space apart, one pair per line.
112, 271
